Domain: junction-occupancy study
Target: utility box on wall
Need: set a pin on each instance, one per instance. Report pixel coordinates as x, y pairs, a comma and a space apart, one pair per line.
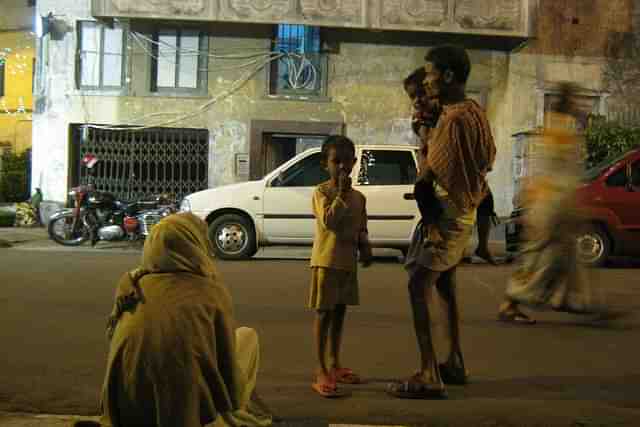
242, 165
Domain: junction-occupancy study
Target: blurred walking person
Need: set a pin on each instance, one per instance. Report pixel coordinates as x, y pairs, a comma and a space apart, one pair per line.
550, 275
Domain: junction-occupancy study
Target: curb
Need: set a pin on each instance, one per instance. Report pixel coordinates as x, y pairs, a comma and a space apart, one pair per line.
18, 419
8, 419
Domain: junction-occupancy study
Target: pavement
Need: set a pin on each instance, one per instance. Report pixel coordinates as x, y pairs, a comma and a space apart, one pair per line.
36, 420
37, 239
8, 419
562, 372
13, 236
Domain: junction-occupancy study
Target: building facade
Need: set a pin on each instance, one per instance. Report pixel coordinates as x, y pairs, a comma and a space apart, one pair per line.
183, 95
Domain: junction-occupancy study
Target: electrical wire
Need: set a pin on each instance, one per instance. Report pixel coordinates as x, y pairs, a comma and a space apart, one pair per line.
238, 84
290, 58
258, 58
303, 74
198, 51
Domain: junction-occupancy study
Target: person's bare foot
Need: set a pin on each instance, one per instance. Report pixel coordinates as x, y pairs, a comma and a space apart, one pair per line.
486, 255
430, 376
512, 314
326, 386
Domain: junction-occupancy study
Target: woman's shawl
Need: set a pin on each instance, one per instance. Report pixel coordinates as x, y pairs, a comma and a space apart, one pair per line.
172, 357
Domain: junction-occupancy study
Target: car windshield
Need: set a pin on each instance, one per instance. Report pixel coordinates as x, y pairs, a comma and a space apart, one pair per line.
595, 171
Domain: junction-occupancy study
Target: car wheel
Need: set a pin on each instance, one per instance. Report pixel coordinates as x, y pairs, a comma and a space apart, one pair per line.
233, 237
593, 246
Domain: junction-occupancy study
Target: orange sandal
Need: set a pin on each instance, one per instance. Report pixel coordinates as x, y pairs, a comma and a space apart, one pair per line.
346, 376
328, 389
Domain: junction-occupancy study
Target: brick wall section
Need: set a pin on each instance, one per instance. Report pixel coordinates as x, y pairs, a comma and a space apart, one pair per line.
580, 27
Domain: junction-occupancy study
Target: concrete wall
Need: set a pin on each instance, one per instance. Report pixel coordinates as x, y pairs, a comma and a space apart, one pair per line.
16, 15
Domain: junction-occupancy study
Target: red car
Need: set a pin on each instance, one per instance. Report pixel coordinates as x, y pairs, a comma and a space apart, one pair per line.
609, 197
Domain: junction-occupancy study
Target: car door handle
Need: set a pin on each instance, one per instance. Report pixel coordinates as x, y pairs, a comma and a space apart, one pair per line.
408, 196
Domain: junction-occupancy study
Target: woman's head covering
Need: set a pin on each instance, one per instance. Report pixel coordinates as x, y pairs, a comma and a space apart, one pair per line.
179, 243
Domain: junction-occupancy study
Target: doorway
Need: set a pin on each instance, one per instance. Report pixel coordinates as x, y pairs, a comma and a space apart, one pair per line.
274, 142
279, 148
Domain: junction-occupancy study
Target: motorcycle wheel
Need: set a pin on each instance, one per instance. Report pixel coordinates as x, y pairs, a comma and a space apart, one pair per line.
61, 231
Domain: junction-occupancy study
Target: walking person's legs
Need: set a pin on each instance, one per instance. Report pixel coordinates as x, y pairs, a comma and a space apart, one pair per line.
484, 229
484, 218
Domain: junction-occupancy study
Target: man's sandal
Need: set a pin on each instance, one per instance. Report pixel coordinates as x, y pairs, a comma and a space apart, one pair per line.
411, 389
486, 257
346, 376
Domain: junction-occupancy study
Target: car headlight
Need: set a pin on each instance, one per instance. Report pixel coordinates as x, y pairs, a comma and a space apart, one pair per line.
185, 205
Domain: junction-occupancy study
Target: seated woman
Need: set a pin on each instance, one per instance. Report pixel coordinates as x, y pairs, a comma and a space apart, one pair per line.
175, 357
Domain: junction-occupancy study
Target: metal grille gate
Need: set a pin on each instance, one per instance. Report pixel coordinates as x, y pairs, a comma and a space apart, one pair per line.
139, 164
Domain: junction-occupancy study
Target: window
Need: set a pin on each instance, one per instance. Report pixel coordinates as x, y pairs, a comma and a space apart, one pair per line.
618, 179
302, 71
101, 56
386, 167
635, 174
306, 173
180, 61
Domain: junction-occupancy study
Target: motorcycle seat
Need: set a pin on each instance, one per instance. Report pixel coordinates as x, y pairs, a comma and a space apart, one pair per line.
147, 204
133, 208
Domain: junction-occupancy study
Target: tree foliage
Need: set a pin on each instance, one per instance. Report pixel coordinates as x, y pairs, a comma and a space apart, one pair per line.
13, 177
605, 139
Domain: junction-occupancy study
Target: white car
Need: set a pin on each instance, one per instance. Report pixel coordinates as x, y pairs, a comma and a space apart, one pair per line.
277, 209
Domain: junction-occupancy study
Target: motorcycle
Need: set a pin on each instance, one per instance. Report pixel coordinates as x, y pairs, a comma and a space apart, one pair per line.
98, 215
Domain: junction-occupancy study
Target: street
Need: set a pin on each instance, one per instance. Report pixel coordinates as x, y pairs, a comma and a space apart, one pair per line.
54, 305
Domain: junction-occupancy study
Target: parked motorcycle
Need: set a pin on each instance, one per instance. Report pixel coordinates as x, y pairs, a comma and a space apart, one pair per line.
100, 215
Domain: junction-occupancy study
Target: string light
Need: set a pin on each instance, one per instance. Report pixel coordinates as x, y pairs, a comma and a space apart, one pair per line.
16, 62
